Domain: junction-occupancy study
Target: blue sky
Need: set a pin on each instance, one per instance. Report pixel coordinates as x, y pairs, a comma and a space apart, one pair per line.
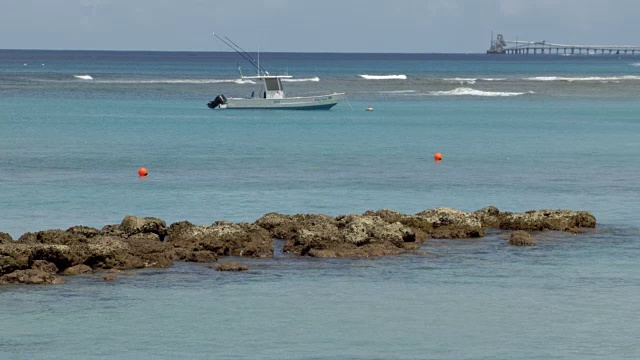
420, 26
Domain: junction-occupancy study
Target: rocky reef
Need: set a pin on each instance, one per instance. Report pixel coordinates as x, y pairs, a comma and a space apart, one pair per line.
45, 257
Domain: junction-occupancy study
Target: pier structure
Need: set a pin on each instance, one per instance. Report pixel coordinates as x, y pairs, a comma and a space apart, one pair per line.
502, 46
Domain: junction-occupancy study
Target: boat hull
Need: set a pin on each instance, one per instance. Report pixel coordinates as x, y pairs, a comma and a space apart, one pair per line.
322, 102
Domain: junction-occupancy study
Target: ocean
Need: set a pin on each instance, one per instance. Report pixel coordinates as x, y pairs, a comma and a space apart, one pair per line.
519, 132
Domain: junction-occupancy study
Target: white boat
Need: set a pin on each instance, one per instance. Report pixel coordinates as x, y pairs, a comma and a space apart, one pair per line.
272, 95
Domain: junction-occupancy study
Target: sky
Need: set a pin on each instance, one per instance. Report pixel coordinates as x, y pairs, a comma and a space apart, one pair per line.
380, 26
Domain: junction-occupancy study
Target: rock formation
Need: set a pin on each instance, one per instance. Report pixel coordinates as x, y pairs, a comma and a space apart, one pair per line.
230, 266
521, 238
37, 258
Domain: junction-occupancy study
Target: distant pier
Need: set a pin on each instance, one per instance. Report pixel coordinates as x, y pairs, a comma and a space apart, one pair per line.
501, 46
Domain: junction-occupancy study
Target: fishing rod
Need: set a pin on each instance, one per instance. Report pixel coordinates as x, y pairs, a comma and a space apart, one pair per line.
242, 53
260, 68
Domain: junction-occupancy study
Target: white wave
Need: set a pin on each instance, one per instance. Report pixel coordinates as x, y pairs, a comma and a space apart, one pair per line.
398, 92
83, 77
315, 79
241, 81
461, 81
464, 91
588, 78
384, 77
635, 64
471, 81
176, 81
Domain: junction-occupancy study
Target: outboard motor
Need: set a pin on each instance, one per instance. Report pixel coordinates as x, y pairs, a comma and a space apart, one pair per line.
219, 100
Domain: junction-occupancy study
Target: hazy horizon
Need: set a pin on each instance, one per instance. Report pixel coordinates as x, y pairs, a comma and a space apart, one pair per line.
331, 26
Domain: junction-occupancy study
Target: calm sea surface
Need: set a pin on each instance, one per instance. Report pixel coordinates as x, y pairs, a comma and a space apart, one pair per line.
516, 132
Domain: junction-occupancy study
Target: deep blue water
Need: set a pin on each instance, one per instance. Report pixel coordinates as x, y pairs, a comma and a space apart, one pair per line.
516, 132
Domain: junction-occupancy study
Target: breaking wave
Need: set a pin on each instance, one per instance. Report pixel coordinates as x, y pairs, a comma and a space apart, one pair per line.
177, 81
398, 92
241, 81
463, 91
315, 79
635, 64
588, 78
470, 81
83, 77
384, 77
461, 81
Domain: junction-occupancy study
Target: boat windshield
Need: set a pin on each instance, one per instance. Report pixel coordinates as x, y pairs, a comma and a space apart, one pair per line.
273, 84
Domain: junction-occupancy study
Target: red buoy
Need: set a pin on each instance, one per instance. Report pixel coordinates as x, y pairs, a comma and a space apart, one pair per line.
437, 157
142, 172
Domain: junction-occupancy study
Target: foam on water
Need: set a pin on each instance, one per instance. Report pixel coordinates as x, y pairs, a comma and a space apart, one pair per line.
398, 92
83, 77
464, 91
177, 81
586, 78
313, 79
469, 81
383, 77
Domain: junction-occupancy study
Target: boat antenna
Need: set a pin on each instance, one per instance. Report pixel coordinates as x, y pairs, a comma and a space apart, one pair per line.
242, 53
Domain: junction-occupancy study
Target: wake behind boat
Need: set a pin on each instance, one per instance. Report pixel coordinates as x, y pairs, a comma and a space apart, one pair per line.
272, 95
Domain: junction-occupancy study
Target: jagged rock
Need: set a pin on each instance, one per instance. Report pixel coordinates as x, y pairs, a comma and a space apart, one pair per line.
439, 223
105, 252
132, 225
87, 232
543, 220
150, 250
230, 266
30, 277
138, 242
111, 252
53, 237
77, 270
489, 217
361, 230
138, 251
521, 238
63, 256
113, 231
221, 238
45, 266
349, 236
387, 215
286, 226
5, 238
448, 223
14, 257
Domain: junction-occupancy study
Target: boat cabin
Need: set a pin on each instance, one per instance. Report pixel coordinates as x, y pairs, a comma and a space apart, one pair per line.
272, 85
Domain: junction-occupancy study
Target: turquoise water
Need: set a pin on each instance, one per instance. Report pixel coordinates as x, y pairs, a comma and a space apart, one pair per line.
518, 133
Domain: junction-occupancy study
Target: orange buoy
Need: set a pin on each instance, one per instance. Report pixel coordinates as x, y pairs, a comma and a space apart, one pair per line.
437, 157
142, 172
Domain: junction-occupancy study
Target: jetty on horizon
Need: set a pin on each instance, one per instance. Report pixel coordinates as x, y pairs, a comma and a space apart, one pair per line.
500, 45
